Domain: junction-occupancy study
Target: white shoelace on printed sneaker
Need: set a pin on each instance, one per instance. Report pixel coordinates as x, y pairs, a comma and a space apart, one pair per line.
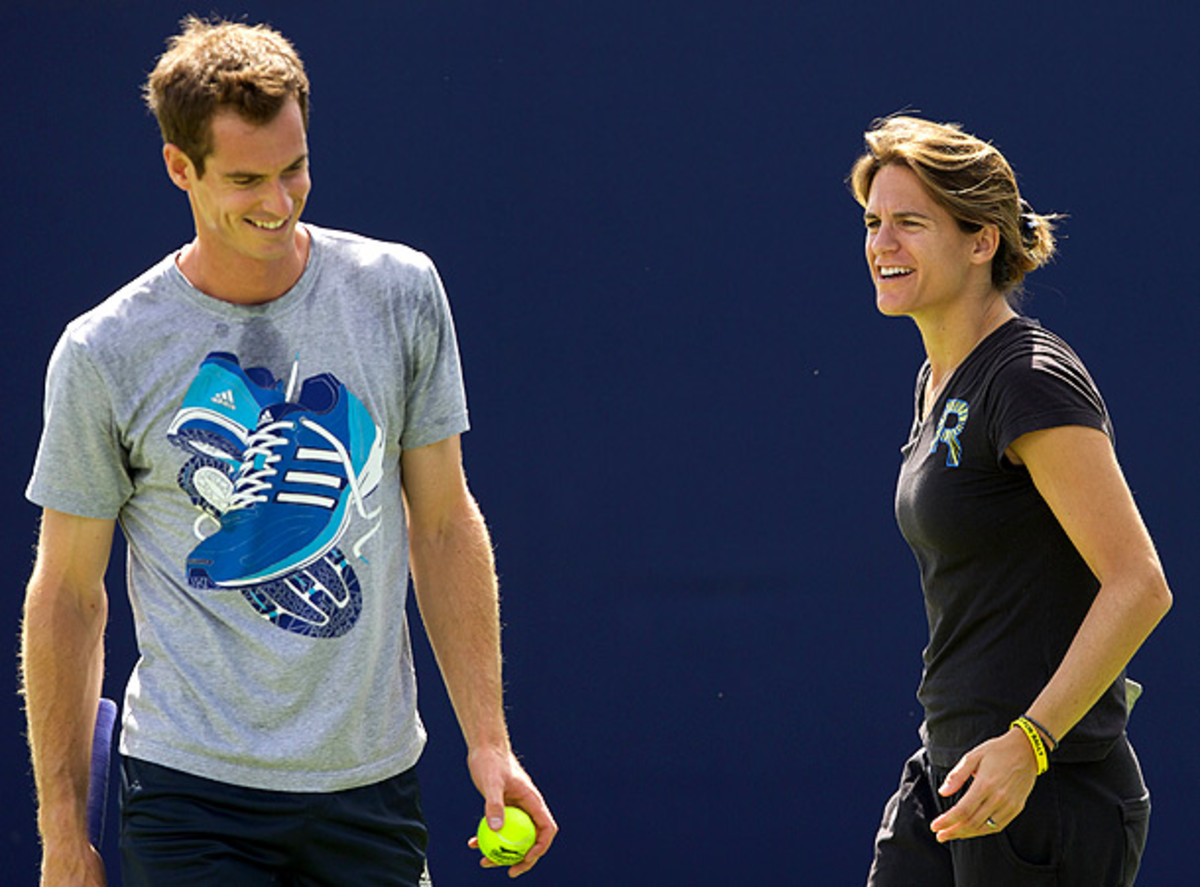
253, 484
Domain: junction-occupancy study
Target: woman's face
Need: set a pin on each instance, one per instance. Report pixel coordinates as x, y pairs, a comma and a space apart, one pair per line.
921, 261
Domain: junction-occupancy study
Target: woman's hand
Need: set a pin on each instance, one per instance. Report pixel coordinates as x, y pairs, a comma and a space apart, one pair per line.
1001, 772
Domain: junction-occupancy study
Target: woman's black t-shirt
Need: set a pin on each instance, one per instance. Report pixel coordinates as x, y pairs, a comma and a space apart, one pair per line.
1005, 590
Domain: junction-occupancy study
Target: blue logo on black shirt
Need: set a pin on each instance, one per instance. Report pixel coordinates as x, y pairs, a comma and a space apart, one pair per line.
950, 426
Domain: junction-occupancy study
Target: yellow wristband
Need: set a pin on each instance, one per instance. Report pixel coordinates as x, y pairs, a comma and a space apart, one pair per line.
1035, 739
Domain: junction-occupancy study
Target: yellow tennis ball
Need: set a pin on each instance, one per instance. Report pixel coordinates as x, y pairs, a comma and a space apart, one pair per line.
509, 845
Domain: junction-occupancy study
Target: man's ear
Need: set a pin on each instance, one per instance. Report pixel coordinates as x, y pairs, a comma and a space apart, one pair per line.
180, 168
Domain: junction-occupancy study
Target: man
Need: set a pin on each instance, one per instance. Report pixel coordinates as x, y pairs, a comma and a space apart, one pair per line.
273, 415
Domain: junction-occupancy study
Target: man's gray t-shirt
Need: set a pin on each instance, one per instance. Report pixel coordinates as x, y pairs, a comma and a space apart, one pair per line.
251, 455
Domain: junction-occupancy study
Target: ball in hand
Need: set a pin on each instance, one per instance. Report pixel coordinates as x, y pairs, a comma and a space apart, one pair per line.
509, 845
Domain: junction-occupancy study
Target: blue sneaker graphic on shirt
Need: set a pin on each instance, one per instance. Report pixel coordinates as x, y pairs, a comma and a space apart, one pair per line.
220, 410
305, 470
222, 406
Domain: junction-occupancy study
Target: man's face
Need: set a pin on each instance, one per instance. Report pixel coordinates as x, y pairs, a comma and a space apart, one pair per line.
248, 202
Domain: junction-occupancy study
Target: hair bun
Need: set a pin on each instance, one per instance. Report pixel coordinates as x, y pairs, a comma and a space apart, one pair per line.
1030, 222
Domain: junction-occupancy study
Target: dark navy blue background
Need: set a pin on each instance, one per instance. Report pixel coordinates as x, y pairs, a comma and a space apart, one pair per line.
687, 413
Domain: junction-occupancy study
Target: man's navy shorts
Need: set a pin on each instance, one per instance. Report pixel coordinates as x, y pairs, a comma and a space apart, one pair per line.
180, 830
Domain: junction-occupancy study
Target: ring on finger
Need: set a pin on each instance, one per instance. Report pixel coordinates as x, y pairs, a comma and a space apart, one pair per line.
991, 823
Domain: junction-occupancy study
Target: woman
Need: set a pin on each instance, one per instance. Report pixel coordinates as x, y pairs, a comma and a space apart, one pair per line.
1040, 580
